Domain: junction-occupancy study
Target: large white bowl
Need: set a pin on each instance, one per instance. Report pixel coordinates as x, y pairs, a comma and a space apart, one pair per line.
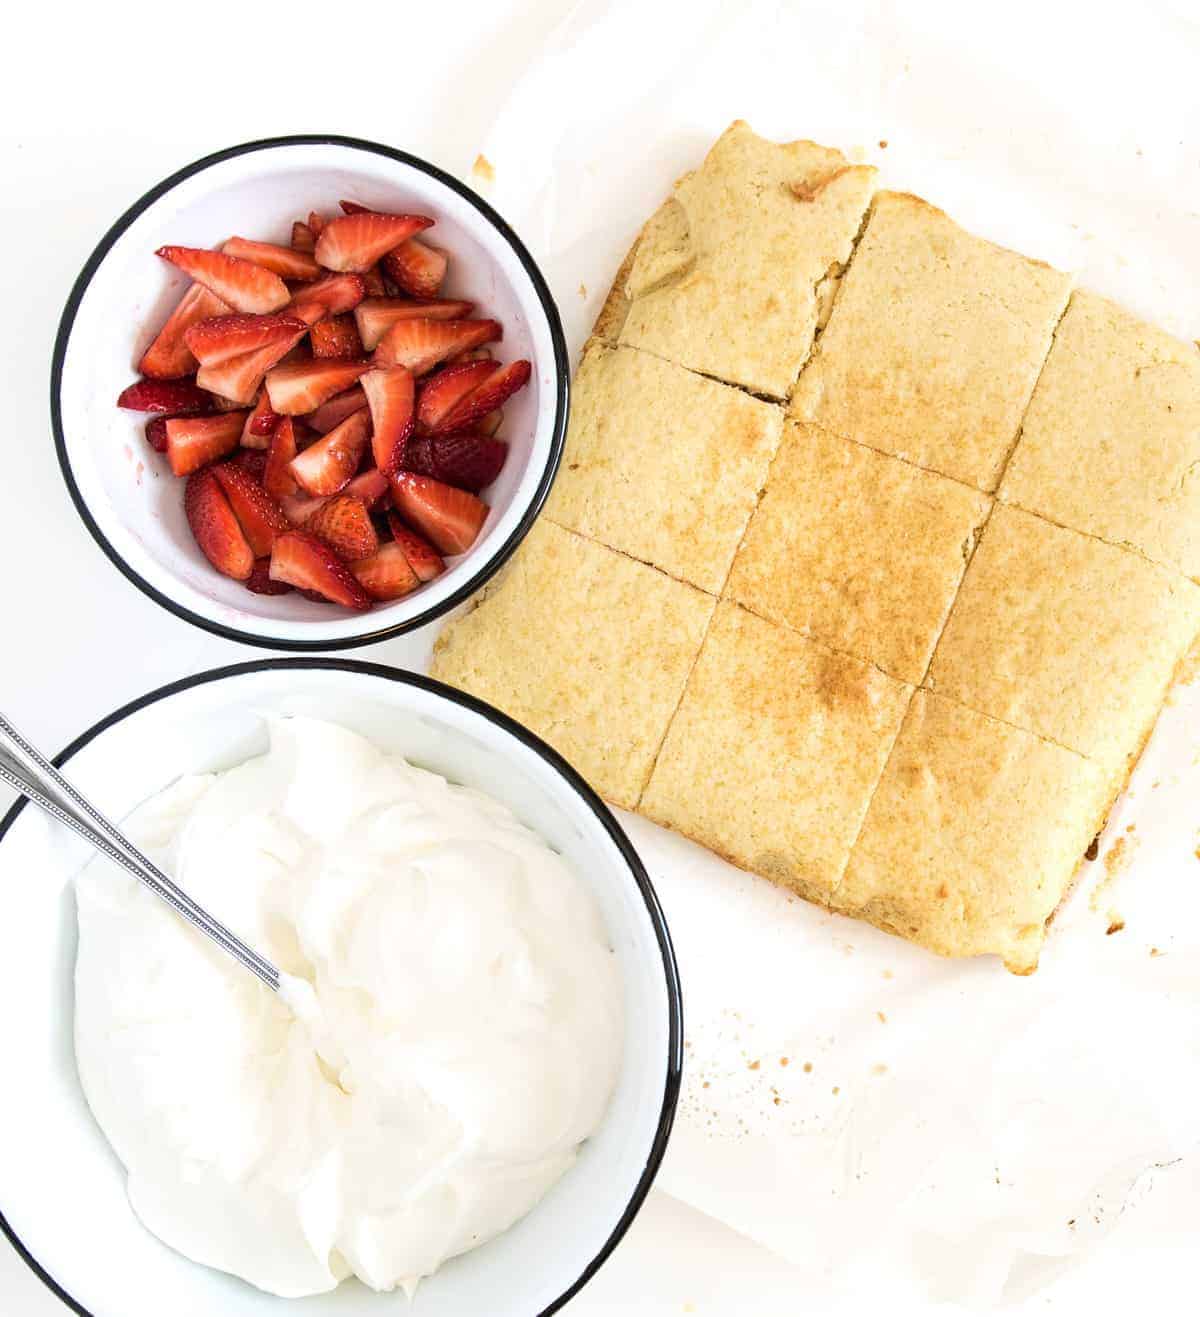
125, 492
62, 1191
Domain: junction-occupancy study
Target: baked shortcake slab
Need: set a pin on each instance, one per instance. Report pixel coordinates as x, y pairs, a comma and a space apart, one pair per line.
662, 464
586, 647
858, 550
774, 752
1111, 441
934, 343
974, 835
725, 277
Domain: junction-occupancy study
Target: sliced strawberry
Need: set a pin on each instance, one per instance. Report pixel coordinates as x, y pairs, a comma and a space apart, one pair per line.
467, 461
315, 223
220, 402
369, 487
221, 337
278, 480
445, 390
300, 388
244, 286
326, 466
422, 557
259, 581
490, 423
302, 237
387, 574
331, 296
416, 268
390, 398
156, 433
492, 393
373, 282
170, 397
475, 354
450, 518
336, 339
215, 528
253, 461
169, 356
344, 523
240, 377
260, 424
298, 508
335, 411
195, 441
308, 563
354, 208
286, 262
355, 242
259, 516
376, 315
420, 344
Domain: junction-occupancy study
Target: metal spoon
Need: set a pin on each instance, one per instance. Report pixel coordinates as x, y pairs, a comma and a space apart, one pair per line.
36, 778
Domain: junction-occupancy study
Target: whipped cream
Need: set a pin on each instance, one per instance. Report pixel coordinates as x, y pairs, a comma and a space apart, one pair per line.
449, 1033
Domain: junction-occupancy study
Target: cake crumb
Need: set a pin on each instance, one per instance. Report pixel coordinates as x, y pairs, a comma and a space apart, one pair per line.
1116, 924
1154, 951
784, 1060
836, 1090
583, 290
883, 143
887, 974
754, 1065
808, 1067
483, 168
879, 1069
881, 1016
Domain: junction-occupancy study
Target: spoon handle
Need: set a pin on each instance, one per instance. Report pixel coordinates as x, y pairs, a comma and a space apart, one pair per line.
35, 777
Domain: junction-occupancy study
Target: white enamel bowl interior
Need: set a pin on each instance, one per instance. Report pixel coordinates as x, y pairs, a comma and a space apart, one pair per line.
127, 489
62, 1193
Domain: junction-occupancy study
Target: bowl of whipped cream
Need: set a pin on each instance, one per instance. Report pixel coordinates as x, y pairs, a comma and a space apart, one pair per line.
474, 1109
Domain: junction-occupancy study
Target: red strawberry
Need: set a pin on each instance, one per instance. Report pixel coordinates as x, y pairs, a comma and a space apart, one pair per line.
195, 441
387, 574
376, 315
335, 411
326, 466
215, 528
422, 557
308, 563
259, 516
240, 377
416, 268
491, 422
302, 237
373, 282
467, 461
315, 223
369, 487
286, 262
421, 344
475, 354
252, 461
354, 208
221, 337
156, 433
336, 339
451, 518
445, 390
259, 580
344, 523
169, 357
278, 480
331, 296
355, 242
244, 286
390, 398
260, 424
171, 397
304, 386
492, 393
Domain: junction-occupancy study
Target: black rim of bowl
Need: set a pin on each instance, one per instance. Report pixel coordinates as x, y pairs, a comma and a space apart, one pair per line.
674, 1073
562, 376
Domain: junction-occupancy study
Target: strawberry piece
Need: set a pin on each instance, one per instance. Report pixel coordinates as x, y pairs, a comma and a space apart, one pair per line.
335, 411
450, 518
260, 424
286, 262
302, 237
195, 441
298, 508
171, 397
169, 356
336, 339
315, 223
259, 516
376, 315
326, 466
420, 344
445, 390
302, 387
308, 563
491, 422
386, 574
369, 487
466, 461
331, 296
215, 528
422, 557
373, 282
221, 337
277, 478
492, 393
416, 268
355, 242
240, 377
476, 354
354, 208
344, 523
156, 433
246, 287
259, 581
390, 398
253, 461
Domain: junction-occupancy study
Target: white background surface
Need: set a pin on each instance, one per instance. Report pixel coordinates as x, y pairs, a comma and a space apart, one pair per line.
101, 103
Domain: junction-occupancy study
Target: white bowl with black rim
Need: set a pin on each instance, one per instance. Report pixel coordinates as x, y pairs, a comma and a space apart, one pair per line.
62, 1194
124, 491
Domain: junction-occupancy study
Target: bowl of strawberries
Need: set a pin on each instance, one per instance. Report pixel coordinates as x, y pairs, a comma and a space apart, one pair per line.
310, 393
